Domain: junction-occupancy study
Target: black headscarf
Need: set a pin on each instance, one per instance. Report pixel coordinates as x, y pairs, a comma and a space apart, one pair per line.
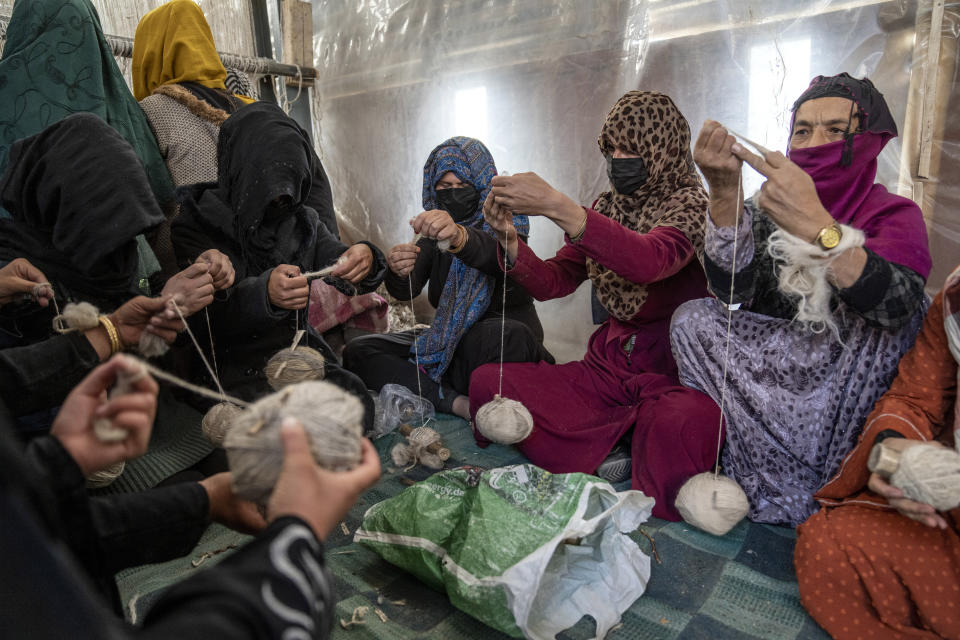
868, 105
78, 196
256, 212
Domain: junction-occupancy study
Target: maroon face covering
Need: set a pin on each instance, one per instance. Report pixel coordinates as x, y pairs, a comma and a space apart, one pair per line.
893, 225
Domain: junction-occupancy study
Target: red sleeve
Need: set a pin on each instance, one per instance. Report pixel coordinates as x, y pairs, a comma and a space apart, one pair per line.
917, 405
639, 257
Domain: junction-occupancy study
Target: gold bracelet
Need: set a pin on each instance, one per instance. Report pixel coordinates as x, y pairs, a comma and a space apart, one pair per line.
112, 333
461, 240
576, 237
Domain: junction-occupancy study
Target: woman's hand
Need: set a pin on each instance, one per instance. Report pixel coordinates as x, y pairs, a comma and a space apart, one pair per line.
713, 153
133, 412
402, 258
287, 289
192, 288
20, 277
789, 195
501, 221
320, 497
153, 315
220, 268
436, 224
923, 513
229, 510
354, 264
529, 194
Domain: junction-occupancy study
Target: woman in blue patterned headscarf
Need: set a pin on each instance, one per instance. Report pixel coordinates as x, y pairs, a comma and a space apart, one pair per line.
466, 286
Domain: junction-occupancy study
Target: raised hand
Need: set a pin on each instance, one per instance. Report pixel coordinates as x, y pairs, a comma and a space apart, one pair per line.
354, 263
287, 289
132, 412
322, 498
220, 268
192, 288
401, 258
20, 277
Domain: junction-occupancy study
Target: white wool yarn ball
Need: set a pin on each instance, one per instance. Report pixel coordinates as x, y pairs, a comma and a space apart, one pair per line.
930, 474
504, 421
332, 417
712, 503
294, 365
151, 345
218, 420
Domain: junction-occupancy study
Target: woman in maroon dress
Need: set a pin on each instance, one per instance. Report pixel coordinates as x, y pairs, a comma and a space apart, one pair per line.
638, 244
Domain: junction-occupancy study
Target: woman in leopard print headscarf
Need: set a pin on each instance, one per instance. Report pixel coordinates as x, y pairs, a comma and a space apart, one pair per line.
638, 244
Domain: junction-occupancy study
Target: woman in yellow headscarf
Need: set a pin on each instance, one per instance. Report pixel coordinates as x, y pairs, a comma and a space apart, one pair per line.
179, 80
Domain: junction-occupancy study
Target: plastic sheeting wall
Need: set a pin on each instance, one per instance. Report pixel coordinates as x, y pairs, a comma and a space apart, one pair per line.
534, 79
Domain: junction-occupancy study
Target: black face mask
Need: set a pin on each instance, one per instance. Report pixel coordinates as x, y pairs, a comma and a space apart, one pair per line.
626, 174
461, 203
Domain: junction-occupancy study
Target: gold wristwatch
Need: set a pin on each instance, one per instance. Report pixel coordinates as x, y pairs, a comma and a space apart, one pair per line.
829, 237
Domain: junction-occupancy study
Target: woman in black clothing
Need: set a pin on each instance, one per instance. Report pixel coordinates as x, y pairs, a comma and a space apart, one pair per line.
257, 215
465, 286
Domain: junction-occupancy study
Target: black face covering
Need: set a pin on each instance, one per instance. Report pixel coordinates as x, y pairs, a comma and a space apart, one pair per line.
461, 203
626, 174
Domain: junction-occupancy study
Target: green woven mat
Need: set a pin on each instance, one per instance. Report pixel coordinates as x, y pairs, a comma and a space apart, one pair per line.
739, 586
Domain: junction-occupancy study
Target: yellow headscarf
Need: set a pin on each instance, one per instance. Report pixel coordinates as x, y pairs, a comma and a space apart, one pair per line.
174, 44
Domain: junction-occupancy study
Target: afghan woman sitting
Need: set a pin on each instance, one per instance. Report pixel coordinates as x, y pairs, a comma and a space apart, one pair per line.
830, 270
257, 215
466, 287
180, 82
78, 198
638, 245
891, 564
56, 62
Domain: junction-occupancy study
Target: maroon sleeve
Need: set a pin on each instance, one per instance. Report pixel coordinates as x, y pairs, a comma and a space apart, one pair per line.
639, 257
642, 258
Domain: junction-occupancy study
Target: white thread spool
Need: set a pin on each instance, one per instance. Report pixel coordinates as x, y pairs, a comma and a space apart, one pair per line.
504, 421
711, 502
217, 422
925, 472
290, 366
332, 417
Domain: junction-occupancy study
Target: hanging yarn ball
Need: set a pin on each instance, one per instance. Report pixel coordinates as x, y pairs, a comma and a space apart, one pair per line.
332, 417
77, 316
504, 421
930, 474
294, 365
712, 503
103, 427
105, 477
217, 422
422, 446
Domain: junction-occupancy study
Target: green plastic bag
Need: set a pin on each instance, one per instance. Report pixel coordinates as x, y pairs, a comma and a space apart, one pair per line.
523, 550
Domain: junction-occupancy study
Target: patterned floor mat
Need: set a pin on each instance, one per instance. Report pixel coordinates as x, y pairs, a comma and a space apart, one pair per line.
739, 586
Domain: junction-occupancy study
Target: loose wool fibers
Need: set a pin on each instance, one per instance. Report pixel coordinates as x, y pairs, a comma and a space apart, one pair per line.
332, 417
711, 502
504, 421
291, 366
423, 446
218, 420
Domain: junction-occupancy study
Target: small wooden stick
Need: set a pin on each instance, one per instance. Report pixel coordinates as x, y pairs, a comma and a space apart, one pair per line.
436, 448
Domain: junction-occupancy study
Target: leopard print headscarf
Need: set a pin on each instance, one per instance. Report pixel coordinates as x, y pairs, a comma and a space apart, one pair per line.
650, 125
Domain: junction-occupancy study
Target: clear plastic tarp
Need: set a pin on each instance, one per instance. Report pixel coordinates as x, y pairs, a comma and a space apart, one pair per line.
534, 80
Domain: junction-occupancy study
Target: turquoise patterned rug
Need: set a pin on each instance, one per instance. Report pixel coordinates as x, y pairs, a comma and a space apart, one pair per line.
739, 586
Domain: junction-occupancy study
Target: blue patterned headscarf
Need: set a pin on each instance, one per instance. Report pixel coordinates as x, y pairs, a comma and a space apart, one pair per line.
466, 294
